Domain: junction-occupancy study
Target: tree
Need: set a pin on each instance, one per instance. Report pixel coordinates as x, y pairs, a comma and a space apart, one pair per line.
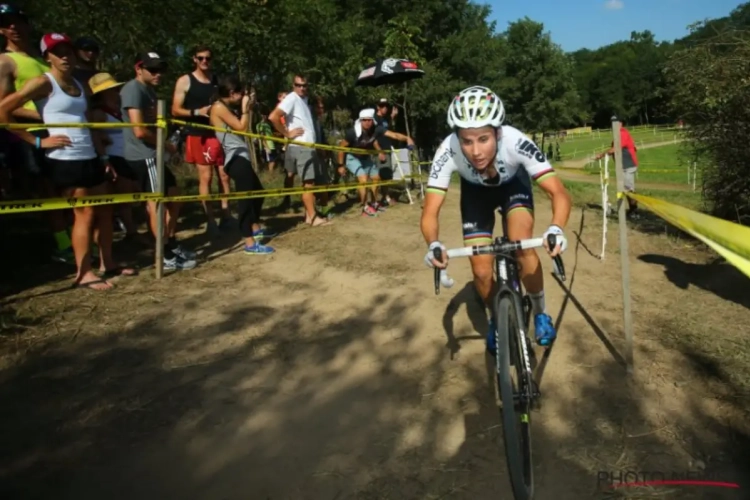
711, 92
539, 90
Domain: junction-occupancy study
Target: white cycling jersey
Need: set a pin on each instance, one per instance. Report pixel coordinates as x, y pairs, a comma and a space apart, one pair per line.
514, 151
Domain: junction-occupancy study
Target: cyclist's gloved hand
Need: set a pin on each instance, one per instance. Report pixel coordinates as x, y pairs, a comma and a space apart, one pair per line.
429, 258
562, 242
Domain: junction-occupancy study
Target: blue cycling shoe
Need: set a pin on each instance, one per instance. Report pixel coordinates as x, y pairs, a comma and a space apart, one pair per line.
491, 346
544, 330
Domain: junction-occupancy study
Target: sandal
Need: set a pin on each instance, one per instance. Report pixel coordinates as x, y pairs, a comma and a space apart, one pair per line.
318, 221
90, 285
119, 271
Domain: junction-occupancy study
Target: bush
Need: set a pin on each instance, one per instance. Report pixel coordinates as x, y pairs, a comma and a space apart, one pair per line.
710, 84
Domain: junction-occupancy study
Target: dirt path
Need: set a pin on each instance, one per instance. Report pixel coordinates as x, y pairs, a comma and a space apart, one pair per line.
582, 162
327, 372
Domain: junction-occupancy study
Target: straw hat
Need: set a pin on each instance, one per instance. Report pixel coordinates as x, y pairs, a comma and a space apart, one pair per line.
103, 81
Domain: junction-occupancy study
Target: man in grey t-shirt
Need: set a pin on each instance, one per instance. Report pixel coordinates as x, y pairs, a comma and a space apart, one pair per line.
138, 101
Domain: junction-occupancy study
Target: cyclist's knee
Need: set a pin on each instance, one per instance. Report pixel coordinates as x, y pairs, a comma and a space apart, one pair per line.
482, 269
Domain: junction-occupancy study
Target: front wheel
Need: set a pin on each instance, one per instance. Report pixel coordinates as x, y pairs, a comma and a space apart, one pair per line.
514, 389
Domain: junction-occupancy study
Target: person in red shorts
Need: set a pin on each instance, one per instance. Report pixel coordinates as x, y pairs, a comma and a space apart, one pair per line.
193, 94
629, 165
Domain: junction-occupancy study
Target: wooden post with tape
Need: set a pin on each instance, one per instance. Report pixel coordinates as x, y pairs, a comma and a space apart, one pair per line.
622, 203
160, 143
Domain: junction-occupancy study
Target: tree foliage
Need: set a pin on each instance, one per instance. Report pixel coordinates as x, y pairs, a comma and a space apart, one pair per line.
640, 79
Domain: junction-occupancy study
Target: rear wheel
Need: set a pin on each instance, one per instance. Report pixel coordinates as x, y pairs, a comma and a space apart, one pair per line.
514, 388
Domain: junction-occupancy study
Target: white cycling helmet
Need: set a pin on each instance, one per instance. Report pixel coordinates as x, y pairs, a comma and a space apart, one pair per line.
476, 107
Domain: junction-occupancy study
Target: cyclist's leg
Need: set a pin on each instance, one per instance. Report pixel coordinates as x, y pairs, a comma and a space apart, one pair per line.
518, 207
478, 221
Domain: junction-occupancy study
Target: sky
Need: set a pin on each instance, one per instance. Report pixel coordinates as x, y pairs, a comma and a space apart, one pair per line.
590, 24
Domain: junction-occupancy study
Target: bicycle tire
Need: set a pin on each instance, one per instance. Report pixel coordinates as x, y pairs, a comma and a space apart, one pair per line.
515, 412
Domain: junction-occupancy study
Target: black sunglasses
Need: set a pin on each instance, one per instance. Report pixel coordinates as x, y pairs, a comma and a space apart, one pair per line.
204, 58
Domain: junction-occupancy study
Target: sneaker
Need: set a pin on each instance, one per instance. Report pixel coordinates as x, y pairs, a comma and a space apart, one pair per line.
184, 254
178, 263
258, 249
378, 207
544, 330
369, 211
491, 340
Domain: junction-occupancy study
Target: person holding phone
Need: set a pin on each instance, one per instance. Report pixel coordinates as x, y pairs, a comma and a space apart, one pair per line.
231, 112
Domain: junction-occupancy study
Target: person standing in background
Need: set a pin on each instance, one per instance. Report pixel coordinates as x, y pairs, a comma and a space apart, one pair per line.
77, 161
301, 161
232, 112
20, 63
629, 165
87, 55
138, 101
263, 127
385, 114
193, 94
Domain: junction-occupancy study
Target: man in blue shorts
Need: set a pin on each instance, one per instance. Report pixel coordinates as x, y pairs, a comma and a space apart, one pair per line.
364, 135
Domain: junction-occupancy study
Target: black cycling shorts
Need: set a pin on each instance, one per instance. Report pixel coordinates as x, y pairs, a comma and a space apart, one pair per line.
478, 205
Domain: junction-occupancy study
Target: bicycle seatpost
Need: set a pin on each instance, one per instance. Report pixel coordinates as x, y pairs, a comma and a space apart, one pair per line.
438, 253
557, 260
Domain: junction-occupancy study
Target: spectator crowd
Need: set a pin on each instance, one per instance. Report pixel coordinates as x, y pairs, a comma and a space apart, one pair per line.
59, 80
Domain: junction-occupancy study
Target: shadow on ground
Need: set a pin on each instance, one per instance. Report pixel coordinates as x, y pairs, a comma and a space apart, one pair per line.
286, 403
717, 277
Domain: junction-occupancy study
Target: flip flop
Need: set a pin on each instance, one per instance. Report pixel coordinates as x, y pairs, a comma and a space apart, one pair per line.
325, 222
119, 271
90, 284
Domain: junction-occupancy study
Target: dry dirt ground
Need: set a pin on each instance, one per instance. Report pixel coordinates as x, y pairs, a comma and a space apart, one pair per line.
330, 370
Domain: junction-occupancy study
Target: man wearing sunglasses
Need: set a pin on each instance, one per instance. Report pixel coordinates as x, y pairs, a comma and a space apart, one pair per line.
138, 101
191, 102
299, 160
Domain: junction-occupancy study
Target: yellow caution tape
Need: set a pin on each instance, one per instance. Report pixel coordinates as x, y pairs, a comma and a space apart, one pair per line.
324, 147
42, 126
730, 240
23, 206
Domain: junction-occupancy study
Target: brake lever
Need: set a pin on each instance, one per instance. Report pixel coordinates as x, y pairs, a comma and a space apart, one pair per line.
438, 253
557, 260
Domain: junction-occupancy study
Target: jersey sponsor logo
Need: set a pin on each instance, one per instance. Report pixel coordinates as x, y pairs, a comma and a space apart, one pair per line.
528, 149
470, 226
438, 164
501, 168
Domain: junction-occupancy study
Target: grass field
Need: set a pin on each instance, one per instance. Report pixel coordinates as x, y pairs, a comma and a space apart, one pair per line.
580, 146
664, 164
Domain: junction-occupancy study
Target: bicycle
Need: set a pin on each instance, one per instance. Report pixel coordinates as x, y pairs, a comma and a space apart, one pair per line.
512, 313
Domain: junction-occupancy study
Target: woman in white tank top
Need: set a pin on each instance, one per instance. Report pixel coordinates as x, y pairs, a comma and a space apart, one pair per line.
105, 108
76, 158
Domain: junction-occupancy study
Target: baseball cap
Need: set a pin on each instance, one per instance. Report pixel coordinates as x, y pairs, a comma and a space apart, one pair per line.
367, 114
103, 81
86, 42
383, 102
150, 60
52, 40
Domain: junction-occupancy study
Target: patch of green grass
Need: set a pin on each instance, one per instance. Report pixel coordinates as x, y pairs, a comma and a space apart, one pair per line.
584, 193
665, 164
581, 146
